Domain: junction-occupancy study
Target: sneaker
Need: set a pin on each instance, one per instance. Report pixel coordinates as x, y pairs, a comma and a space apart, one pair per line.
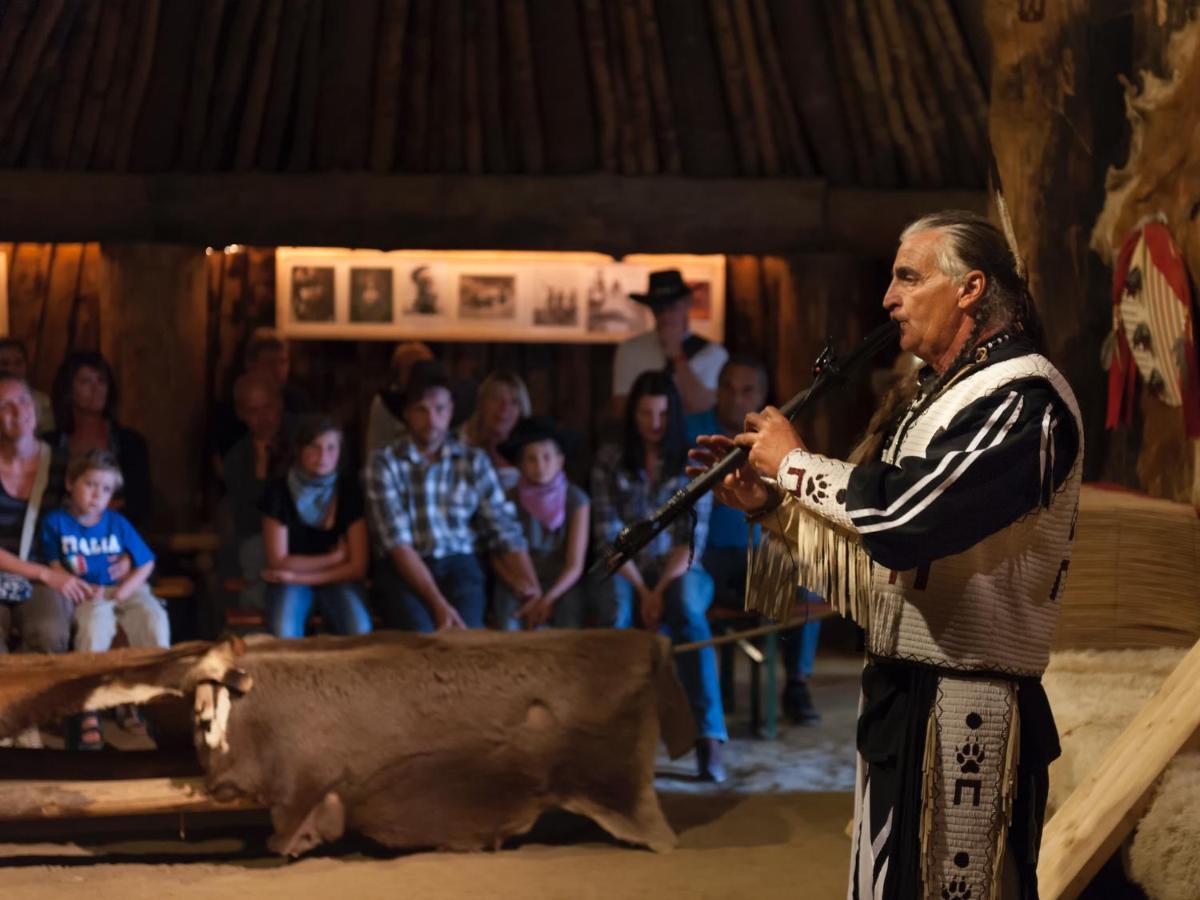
708, 761
798, 705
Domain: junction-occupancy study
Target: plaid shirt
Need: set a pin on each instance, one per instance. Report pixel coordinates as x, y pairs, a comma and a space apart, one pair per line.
620, 498
439, 508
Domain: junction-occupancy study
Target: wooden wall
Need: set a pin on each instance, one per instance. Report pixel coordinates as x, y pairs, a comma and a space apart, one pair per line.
176, 354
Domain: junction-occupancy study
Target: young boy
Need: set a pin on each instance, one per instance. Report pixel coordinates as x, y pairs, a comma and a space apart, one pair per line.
84, 538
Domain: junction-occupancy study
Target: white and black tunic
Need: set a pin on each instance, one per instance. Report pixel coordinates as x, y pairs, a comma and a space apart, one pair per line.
952, 551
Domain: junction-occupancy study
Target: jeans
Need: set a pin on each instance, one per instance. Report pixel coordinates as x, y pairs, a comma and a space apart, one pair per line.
728, 568
685, 605
460, 579
341, 604
569, 609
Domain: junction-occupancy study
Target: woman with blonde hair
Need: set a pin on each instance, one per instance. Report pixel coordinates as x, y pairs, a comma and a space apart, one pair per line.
501, 402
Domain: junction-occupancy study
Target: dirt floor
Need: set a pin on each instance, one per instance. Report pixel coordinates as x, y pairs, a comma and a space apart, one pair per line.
776, 829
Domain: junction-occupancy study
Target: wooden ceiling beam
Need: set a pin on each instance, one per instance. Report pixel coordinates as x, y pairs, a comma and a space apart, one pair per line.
593, 212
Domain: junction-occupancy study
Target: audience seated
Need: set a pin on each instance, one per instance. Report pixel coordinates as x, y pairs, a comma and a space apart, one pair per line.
431, 499
14, 360
83, 538
554, 517
256, 458
266, 358
36, 598
692, 361
315, 538
85, 405
741, 390
385, 419
630, 482
502, 400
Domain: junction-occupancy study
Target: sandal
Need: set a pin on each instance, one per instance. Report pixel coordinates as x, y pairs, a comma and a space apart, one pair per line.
90, 735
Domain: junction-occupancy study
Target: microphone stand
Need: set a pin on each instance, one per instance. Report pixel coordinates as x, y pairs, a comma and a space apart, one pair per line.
828, 372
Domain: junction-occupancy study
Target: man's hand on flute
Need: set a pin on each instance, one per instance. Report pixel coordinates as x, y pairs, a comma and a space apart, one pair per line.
769, 437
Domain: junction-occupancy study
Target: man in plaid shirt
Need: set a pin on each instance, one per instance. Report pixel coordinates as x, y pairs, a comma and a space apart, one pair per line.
432, 500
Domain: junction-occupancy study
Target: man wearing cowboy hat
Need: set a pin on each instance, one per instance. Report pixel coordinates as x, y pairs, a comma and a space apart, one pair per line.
694, 362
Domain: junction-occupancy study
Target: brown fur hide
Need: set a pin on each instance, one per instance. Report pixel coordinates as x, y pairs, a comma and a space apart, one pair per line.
1161, 178
458, 740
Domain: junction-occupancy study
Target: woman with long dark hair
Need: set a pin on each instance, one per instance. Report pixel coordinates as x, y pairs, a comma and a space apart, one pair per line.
85, 401
671, 589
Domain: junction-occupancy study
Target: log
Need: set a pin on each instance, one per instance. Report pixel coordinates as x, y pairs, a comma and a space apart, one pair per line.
257, 87
1105, 807
282, 98
697, 95
54, 331
760, 102
300, 158
778, 90
845, 18
235, 59
639, 88
158, 129
472, 104
27, 55
12, 24
735, 86
491, 77
954, 42
528, 123
911, 161
47, 72
446, 135
70, 89
389, 72
347, 65
664, 114
602, 83
204, 66
603, 212
138, 79
565, 98
26, 800
417, 113
921, 109
105, 155
85, 332
626, 133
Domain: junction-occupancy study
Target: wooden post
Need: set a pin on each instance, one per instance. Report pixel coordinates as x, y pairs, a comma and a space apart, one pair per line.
154, 303
24, 800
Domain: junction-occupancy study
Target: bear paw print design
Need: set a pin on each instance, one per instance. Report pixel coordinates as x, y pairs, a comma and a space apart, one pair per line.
969, 756
956, 890
817, 488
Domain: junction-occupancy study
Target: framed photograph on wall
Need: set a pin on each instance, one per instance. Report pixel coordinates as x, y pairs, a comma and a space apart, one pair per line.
329, 293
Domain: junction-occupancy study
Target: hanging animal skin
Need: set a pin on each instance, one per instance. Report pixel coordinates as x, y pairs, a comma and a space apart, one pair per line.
1152, 328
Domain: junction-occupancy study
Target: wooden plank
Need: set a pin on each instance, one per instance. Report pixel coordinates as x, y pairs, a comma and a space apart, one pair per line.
600, 212
656, 67
637, 80
416, 114
520, 60
613, 45
446, 133
736, 91
139, 79
158, 129
26, 800
564, 94
496, 157
389, 73
116, 97
347, 69
16, 135
778, 90
28, 273
299, 160
697, 93
258, 87
605, 92
764, 125
472, 103
54, 332
74, 73
885, 17
230, 81
85, 333
204, 68
282, 97
12, 25
873, 169
28, 53
866, 17
1105, 807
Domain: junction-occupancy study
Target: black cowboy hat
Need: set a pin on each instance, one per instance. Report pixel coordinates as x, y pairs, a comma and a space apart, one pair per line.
666, 287
531, 430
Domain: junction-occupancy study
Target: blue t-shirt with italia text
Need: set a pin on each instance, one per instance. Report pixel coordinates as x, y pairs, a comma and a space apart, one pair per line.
88, 550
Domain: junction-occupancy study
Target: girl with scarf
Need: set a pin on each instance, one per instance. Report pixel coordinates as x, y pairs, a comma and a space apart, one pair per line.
554, 517
315, 536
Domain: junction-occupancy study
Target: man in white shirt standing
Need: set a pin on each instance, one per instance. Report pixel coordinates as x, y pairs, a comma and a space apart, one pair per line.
694, 362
